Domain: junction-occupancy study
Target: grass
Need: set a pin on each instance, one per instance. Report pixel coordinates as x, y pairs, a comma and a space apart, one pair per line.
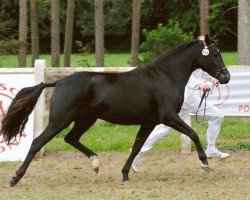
106, 137
77, 60
111, 60
230, 58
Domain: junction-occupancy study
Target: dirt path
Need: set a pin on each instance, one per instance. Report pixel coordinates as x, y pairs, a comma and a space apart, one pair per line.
164, 175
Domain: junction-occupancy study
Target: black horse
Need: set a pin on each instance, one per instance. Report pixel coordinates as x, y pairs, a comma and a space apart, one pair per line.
147, 96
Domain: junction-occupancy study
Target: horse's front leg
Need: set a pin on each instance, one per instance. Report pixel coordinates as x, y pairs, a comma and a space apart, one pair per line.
141, 137
178, 124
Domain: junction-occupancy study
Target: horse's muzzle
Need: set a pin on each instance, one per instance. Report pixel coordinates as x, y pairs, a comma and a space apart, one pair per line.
224, 78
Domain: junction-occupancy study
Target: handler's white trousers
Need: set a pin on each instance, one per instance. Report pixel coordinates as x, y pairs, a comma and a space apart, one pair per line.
213, 114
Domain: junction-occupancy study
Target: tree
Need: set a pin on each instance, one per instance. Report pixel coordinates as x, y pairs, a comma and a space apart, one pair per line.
243, 32
135, 32
99, 33
69, 32
204, 13
55, 33
22, 33
34, 32
117, 19
162, 39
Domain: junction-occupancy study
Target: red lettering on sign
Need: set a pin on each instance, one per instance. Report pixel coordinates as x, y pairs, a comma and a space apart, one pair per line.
23, 135
2, 149
13, 91
3, 86
2, 113
2, 140
15, 143
244, 108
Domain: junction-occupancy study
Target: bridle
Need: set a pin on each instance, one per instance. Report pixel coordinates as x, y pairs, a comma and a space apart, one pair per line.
205, 52
218, 71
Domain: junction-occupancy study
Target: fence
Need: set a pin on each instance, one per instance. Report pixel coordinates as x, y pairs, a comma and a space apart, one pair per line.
233, 98
12, 80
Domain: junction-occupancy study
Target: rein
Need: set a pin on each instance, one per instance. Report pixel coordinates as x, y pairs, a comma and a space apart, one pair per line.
204, 96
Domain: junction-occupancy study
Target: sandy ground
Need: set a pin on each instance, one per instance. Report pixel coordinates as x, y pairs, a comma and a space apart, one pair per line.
163, 175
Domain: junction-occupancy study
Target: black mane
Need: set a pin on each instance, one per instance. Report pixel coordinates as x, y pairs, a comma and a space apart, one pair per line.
171, 51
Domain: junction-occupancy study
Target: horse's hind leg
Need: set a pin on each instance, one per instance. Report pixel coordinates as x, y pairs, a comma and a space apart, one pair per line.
73, 138
141, 137
36, 145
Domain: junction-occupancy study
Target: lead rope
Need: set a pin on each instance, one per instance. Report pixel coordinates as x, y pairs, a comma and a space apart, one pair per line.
204, 96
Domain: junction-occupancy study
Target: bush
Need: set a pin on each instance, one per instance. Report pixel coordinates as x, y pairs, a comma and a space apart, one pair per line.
8, 46
162, 39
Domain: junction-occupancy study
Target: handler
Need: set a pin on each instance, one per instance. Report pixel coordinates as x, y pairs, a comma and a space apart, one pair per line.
199, 80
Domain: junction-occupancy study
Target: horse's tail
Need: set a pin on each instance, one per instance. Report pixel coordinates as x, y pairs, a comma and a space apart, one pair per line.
19, 110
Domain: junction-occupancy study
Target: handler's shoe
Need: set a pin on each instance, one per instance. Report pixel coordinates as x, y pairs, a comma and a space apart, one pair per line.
217, 154
136, 162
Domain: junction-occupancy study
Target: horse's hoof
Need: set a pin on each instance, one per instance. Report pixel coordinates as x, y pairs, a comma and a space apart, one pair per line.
205, 167
125, 178
13, 182
95, 169
95, 163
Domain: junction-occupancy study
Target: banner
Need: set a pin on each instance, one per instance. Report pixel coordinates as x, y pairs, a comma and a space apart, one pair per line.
233, 98
10, 84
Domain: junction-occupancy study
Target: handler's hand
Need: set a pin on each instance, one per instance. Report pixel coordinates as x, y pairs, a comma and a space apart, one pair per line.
216, 83
205, 87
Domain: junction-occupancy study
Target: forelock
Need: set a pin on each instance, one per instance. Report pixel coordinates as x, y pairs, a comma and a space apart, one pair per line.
201, 37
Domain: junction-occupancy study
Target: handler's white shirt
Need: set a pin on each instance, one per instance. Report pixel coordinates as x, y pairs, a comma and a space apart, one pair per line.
196, 79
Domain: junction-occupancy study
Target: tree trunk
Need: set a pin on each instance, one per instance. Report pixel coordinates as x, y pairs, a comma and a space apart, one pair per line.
204, 13
244, 32
55, 34
34, 32
99, 33
135, 32
22, 33
69, 32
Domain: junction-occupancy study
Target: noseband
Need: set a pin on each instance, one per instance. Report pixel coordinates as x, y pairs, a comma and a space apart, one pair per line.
219, 71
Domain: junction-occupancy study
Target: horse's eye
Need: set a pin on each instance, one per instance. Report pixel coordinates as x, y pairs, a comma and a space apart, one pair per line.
216, 55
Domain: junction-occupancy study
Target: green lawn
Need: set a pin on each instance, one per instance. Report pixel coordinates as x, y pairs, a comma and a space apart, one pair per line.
77, 60
230, 58
111, 60
105, 137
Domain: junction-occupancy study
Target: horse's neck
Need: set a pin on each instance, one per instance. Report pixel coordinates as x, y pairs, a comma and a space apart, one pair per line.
180, 66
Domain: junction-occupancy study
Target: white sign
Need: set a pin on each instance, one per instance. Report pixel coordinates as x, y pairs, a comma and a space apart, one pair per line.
10, 84
233, 98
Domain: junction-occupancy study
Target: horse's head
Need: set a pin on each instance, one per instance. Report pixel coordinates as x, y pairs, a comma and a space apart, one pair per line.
210, 60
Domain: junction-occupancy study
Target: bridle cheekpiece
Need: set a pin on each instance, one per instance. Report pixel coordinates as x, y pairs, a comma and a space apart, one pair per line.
205, 52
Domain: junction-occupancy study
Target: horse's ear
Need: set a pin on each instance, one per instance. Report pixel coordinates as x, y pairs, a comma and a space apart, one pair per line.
214, 37
207, 39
